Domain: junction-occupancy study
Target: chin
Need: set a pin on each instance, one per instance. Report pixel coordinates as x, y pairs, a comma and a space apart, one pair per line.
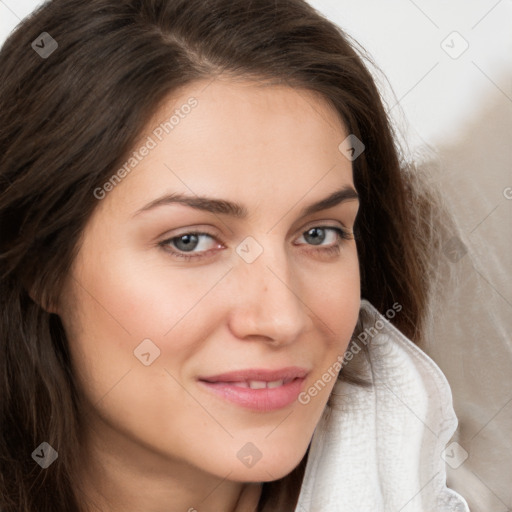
268, 469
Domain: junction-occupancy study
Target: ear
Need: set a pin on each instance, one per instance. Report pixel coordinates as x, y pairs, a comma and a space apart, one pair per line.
43, 302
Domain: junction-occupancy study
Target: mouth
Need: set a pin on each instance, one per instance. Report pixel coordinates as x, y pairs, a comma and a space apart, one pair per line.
258, 390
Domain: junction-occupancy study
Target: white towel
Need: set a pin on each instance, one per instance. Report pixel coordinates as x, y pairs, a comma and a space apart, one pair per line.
381, 449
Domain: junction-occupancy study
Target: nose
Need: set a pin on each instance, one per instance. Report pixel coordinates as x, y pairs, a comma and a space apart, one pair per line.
267, 301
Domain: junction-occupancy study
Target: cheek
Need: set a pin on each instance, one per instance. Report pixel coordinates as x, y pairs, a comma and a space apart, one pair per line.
140, 297
334, 297
119, 312
333, 293
131, 302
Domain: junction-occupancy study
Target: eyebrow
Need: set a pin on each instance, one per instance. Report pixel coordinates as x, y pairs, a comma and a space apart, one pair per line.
236, 210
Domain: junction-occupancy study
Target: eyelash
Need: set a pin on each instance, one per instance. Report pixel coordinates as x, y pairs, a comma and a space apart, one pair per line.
342, 234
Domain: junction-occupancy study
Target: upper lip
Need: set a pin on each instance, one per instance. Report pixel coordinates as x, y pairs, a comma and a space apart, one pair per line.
255, 374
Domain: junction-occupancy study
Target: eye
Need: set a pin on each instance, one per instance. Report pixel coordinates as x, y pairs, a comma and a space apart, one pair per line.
188, 243
317, 235
197, 245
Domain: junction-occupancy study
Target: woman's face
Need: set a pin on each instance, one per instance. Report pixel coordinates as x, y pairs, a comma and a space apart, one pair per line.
156, 316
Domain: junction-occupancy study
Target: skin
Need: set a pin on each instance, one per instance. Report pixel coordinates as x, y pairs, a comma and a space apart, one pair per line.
155, 440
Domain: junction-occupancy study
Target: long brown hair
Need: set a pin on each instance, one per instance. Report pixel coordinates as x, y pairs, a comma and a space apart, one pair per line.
68, 120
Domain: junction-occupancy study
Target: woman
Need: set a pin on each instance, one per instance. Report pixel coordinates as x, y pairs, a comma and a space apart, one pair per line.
203, 212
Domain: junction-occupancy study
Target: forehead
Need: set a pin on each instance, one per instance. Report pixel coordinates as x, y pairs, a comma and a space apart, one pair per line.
239, 139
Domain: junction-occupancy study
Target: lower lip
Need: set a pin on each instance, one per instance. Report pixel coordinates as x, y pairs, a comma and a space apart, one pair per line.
262, 400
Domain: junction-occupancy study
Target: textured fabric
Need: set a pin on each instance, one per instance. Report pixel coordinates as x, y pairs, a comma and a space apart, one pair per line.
380, 448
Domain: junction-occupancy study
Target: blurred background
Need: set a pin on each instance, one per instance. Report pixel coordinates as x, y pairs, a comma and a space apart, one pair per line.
447, 83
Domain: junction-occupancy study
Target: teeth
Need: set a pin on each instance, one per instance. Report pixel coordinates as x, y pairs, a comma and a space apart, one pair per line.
257, 384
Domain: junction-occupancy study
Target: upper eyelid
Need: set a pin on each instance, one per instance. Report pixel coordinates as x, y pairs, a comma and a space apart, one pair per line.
218, 235
320, 223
